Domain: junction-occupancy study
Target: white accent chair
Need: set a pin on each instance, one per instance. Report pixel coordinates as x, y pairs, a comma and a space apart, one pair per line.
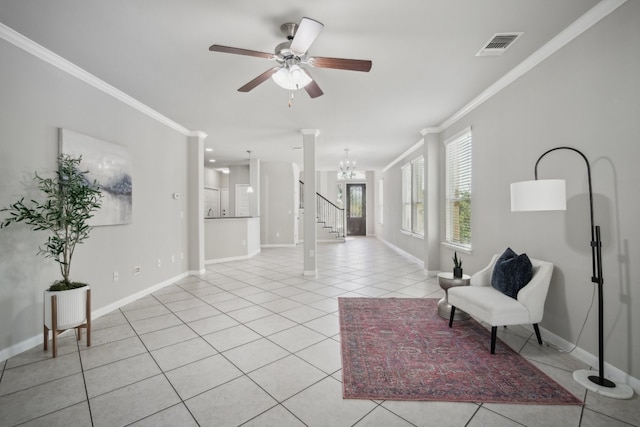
489, 305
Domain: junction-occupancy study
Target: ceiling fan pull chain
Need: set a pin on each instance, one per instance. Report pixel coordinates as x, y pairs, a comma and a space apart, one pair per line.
290, 98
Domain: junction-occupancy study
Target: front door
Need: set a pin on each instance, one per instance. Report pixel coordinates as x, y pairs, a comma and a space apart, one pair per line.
356, 210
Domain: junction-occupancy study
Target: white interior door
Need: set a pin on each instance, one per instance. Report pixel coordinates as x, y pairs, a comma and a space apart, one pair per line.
242, 200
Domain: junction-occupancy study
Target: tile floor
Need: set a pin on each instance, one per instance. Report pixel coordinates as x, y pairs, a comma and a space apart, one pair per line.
254, 343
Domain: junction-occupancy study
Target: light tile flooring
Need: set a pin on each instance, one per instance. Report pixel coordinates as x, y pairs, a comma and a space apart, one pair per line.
255, 343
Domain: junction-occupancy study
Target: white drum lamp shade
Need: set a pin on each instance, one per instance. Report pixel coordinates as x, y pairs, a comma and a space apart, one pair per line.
539, 195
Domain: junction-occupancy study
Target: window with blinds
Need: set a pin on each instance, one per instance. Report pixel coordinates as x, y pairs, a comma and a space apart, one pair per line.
413, 196
458, 189
406, 197
417, 196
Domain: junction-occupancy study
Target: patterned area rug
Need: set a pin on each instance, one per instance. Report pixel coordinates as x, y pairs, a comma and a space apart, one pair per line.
400, 349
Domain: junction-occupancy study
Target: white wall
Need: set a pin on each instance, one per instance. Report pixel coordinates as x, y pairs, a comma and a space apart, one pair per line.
279, 203
37, 99
212, 178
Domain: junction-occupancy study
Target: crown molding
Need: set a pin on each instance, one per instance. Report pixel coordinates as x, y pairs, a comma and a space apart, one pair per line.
427, 131
198, 134
398, 159
48, 56
314, 132
579, 26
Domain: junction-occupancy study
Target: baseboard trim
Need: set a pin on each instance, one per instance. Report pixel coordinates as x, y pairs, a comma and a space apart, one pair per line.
35, 340
610, 371
133, 297
25, 345
400, 251
233, 258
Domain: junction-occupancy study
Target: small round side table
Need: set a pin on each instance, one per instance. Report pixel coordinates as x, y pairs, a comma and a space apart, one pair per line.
446, 281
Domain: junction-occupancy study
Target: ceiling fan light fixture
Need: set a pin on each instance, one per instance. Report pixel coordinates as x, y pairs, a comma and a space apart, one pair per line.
291, 77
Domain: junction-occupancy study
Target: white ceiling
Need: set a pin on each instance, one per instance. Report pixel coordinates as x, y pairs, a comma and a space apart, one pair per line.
423, 52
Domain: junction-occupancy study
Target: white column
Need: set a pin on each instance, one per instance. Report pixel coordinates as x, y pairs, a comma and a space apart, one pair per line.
195, 205
309, 137
254, 182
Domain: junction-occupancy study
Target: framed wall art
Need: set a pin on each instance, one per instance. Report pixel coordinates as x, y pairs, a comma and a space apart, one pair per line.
110, 165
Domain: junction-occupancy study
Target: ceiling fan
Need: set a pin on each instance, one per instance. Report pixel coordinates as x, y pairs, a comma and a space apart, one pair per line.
293, 59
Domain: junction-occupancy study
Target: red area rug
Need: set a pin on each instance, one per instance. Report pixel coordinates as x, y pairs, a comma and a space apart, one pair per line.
400, 349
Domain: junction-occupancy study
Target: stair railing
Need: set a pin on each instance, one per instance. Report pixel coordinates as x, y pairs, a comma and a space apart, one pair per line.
327, 213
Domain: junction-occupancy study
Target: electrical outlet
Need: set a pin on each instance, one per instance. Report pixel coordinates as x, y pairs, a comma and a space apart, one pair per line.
173, 258
159, 263
181, 255
277, 234
136, 270
312, 253
116, 276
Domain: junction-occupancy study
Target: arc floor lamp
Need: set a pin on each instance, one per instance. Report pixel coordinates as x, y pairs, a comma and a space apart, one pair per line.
550, 194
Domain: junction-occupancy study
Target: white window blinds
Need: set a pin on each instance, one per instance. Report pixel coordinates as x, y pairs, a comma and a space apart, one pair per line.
417, 196
406, 197
413, 196
458, 190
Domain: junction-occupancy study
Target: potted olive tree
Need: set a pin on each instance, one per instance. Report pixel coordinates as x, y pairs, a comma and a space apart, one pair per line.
70, 200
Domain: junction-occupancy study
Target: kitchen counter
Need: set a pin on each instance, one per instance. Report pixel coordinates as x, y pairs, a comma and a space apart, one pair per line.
231, 238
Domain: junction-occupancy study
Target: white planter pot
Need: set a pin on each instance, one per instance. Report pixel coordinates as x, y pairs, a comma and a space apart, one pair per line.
71, 308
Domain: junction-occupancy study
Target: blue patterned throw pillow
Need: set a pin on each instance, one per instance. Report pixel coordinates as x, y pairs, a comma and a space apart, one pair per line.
511, 273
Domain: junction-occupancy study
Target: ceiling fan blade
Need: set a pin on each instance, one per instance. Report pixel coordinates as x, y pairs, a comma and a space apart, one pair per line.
341, 64
238, 51
306, 33
312, 88
260, 79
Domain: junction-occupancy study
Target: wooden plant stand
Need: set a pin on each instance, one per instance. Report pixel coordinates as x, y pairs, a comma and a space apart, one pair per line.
54, 325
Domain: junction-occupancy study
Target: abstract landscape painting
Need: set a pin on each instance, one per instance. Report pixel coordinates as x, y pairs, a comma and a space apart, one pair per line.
110, 165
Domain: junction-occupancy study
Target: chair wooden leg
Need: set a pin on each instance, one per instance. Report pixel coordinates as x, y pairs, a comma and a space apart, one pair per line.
537, 329
453, 313
494, 330
46, 337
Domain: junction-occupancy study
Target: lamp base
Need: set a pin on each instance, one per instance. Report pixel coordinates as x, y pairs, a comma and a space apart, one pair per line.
590, 380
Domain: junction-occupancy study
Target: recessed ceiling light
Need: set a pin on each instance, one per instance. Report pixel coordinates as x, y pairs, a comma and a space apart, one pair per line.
208, 149
212, 160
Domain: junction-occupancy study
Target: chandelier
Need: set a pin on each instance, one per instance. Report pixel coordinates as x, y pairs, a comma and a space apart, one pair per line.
347, 168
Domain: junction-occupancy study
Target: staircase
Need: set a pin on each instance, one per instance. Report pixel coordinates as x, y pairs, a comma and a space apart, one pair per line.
329, 217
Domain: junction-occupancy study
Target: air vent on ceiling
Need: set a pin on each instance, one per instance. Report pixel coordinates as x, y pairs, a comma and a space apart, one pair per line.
498, 44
